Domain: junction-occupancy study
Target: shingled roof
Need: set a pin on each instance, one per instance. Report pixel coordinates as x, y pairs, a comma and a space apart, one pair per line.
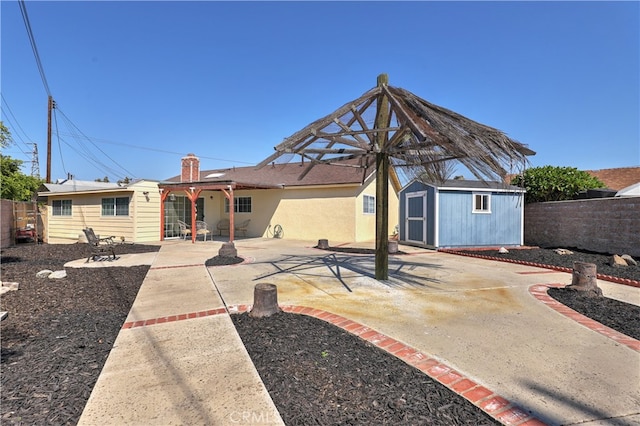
285, 175
618, 178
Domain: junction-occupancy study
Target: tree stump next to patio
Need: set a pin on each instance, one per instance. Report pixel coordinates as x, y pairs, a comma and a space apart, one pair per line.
584, 278
323, 244
228, 250
265, 300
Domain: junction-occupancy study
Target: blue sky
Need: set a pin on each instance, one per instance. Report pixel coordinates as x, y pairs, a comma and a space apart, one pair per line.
141, 84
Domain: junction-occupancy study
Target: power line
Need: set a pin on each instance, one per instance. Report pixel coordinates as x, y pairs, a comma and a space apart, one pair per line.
144, 148
32, 40
14, 125
86, 152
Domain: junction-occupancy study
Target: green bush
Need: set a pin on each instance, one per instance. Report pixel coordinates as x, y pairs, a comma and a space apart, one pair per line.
552, 183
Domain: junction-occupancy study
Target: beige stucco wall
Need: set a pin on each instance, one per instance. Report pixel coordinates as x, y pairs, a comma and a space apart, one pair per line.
307, 213
141, 225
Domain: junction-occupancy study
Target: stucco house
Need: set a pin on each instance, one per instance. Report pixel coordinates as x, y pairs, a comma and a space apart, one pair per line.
331, 201
129, 211
461, 213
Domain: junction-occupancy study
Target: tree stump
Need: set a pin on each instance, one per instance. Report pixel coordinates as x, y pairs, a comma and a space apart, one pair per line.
265, 300
228, 250
584, 278
323, 244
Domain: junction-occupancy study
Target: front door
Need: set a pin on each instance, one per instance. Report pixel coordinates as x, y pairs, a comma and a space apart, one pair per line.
416, 217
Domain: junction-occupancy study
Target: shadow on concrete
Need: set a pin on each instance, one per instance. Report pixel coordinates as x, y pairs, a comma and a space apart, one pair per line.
590, 414
401, 272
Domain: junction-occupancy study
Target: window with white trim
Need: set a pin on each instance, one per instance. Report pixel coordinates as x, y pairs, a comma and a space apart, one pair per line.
482, 203
115, 206
61, 207
240, 205
369, 204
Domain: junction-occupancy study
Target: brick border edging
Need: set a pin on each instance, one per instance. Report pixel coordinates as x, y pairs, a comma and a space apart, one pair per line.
488, 401
539, 291
610, 278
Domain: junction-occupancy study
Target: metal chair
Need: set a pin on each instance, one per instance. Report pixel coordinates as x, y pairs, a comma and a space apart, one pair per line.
184, 229
203, 229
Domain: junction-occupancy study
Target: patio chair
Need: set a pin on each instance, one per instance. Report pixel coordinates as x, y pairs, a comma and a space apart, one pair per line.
185, 230
100, 246
242, 227
222, 226
202, 229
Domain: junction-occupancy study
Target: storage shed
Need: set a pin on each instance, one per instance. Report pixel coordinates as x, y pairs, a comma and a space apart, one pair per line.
461, 213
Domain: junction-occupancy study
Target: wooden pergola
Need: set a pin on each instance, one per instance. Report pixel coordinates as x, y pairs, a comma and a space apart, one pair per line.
192, 191
391, 127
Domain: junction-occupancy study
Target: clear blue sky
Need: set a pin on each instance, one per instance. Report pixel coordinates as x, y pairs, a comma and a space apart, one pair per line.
147, 82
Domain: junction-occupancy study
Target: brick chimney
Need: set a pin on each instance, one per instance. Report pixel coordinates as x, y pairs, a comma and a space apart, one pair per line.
190, 169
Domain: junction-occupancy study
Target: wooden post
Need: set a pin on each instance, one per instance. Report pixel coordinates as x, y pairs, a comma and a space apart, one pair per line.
382, 185
584, 278
265, 300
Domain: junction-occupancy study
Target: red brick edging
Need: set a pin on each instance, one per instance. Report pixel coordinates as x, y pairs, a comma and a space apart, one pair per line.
603, 277
488, 401
539, 291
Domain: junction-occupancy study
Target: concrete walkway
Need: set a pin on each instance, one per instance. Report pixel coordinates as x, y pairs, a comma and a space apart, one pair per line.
178, 359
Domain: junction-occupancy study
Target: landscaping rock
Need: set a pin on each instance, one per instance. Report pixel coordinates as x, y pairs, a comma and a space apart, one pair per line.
630, 260
56, 275
503, 250
563, 252
8, 286
618, 261
44, 273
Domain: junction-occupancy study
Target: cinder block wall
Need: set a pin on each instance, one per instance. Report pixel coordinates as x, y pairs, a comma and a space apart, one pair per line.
6, 221
606, 225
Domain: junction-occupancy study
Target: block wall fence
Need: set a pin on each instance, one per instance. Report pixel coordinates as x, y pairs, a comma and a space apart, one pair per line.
604, 225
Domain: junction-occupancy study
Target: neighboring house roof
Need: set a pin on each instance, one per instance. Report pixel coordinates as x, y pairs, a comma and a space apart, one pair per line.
630, 191
617, 178
82, 186
284, 175
474, 185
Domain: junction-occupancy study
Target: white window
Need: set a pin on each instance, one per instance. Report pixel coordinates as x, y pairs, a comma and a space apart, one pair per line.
115, 206
62, 207
369, 204
482, 203
240, 205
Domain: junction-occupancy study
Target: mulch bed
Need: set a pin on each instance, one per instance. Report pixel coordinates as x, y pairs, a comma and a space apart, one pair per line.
319, 374
59, 334
546, 256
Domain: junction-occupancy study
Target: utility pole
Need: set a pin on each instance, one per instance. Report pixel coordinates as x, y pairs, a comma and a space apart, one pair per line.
51, 106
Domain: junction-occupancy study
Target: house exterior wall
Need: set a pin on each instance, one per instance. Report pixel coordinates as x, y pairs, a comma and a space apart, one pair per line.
141, 225
458, 226
605, 225
306, 213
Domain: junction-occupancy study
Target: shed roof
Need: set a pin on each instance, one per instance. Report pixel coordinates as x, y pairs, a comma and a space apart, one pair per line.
474, 185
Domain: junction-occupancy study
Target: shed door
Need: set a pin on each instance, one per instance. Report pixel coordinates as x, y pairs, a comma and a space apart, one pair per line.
416, 220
